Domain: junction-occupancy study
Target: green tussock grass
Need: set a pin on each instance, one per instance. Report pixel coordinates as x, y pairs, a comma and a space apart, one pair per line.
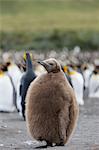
44, 15
37, 18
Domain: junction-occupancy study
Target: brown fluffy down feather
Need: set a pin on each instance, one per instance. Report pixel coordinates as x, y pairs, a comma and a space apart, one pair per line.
51, 108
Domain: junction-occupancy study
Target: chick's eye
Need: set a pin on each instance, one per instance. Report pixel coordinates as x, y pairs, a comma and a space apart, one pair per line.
51, 64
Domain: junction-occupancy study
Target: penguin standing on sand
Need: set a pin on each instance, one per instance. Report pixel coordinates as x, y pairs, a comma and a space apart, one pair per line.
26, 79
6, 91
94, 84
51, 107
78, 85
87, 74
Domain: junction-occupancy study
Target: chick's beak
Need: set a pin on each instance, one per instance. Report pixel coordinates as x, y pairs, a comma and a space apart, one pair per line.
41, 62
45, 65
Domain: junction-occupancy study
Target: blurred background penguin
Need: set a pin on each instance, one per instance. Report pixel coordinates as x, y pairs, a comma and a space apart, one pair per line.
7, 101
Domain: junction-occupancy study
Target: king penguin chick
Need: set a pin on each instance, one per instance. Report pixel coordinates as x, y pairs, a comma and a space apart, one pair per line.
51, 107
26, 79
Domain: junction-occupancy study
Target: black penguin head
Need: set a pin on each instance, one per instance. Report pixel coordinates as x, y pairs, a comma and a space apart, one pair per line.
28, 62
28, 57
51, 65
8, 63
3, 68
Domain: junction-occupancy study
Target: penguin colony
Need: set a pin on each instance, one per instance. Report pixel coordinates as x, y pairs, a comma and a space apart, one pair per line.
13, 75
14, 84
51, 106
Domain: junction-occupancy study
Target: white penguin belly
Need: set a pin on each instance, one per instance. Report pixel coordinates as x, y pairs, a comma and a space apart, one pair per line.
78, 83
6, 95
94, 86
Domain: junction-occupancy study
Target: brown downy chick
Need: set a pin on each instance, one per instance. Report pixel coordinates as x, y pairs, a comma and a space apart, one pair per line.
51, 110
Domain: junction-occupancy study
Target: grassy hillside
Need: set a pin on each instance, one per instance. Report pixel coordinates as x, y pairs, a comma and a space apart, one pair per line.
45, 16
40, 15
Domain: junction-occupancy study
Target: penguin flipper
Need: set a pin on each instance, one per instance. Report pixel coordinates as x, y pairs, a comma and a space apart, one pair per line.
73, 115
23, 108
20, 90
62, 128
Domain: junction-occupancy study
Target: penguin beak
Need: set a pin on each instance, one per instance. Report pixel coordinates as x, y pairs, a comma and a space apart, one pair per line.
45, 65
41, 63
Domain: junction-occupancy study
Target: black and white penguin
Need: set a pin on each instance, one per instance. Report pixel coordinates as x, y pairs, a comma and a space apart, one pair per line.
26, 79
7, 103
51, 107
78, 85
87, 74
94, 84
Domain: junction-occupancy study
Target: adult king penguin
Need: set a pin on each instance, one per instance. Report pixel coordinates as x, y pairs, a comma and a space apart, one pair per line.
6, 91
78, 85
94, 84
51, 107
27, 78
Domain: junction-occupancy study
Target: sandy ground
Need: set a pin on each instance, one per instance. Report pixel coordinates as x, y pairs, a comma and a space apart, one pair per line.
14, 136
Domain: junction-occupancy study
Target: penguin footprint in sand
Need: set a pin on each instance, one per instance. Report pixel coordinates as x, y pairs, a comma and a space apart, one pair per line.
51, 107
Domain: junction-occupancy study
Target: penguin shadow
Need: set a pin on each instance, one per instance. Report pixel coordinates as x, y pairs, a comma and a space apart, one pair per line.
41, 147
4, 112
48, 146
